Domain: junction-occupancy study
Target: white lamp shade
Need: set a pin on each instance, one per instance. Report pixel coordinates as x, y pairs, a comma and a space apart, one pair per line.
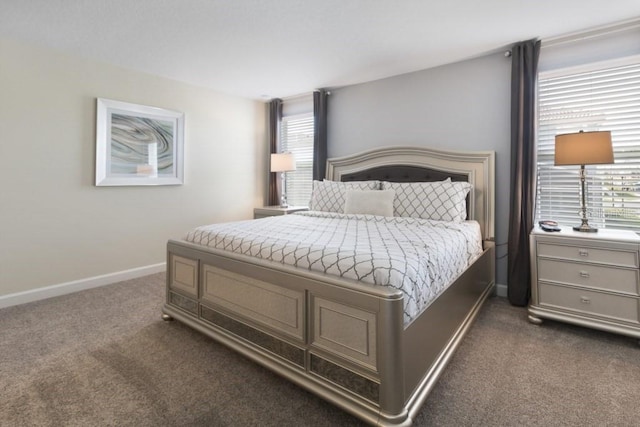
283, 162
584, 148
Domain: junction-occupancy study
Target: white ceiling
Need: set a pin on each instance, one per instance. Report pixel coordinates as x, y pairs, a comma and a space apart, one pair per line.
277, 48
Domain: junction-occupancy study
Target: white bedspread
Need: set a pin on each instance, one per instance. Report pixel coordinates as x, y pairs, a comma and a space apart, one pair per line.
417, 256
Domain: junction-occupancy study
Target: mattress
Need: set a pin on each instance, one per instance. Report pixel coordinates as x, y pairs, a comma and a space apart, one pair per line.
419, 257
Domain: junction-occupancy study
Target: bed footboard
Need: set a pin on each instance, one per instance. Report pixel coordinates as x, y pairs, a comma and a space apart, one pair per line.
339, 339
323, 333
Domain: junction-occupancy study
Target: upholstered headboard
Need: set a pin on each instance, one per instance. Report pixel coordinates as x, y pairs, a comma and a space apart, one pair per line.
402, 173
419, 164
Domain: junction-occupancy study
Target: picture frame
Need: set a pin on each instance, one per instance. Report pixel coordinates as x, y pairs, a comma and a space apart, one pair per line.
138, 145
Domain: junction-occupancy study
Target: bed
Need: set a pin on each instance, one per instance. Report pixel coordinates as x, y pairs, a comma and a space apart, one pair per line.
348, 341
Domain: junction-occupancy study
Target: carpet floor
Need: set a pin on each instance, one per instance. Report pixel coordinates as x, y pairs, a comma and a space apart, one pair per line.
103, 357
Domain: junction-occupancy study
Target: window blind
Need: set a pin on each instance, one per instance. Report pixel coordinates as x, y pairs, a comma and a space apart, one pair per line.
603, 96
296, 137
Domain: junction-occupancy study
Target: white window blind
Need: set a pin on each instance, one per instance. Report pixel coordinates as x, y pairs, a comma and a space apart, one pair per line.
600, 97
296, 137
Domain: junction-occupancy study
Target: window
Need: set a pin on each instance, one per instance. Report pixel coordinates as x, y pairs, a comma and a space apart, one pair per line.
603, 96
296, 137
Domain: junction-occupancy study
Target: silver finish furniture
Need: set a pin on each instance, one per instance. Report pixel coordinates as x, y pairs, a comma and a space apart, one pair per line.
340, 339
266, 211
588, 279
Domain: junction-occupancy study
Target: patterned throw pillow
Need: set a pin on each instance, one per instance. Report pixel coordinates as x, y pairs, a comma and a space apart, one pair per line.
329, 196
440, 200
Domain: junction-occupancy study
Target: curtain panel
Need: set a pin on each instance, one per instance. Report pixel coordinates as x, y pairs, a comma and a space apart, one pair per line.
320, 98
524, 72
275, 118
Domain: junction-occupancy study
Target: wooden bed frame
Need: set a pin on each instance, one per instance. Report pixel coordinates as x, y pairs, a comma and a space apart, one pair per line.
337, 338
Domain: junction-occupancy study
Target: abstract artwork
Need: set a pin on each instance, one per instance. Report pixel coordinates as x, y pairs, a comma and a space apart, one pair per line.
138, 145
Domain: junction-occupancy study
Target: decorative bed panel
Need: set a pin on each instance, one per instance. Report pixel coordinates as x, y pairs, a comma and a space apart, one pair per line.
344, 340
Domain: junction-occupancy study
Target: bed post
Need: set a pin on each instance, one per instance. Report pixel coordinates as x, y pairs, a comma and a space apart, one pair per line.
392, 398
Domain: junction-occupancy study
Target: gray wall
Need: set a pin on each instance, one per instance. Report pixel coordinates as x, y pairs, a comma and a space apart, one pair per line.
463, 106
55, 225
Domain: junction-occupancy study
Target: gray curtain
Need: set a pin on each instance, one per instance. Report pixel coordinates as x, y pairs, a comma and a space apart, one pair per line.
524, 72
275, 117
320, 98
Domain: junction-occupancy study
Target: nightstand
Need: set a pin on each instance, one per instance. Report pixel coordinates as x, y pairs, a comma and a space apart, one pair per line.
276, 210
588, 279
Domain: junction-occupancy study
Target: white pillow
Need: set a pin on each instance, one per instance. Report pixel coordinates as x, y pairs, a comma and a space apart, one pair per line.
369, 202
440, 200
329, 196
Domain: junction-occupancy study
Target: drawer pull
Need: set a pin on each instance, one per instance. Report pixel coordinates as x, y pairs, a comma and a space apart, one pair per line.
583, 252
584, 274
585, 300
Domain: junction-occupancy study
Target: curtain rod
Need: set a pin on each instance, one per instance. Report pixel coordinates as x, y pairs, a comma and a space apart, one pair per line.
303, 95
298, 96
592, 33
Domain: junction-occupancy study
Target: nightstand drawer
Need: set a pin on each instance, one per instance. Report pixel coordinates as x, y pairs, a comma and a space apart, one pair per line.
590, 254
589, 275
588, 302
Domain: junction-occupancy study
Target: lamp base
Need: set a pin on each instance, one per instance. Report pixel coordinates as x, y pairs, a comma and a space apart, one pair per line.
585, 228
283, 201
283, 197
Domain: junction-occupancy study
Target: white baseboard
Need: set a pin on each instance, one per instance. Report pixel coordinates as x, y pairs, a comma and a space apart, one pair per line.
107, 279
501, 290
78, 285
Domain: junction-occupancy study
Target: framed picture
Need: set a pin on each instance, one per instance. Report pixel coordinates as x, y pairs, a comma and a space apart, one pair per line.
138, 145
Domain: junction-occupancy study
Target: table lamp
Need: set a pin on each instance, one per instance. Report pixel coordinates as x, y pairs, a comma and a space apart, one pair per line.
283, 163
584, 148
